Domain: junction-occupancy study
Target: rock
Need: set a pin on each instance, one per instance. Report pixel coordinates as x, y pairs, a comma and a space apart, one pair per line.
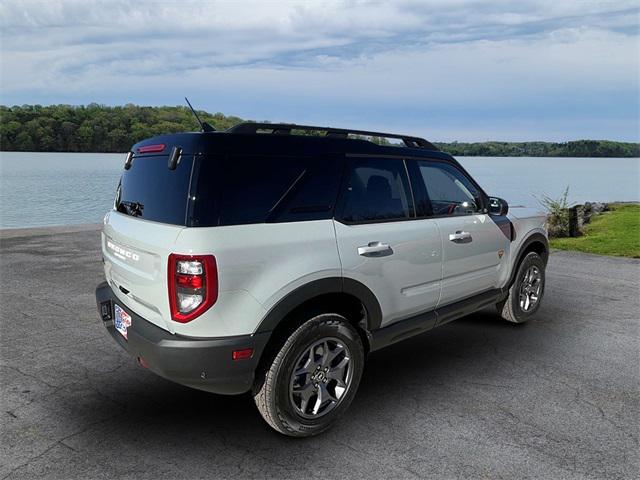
576, 217
593, 208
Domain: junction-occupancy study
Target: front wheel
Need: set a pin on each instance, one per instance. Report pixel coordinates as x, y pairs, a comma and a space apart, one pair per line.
525, 295
313, 378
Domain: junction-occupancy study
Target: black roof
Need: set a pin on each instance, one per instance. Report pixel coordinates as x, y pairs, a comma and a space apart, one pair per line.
281, 138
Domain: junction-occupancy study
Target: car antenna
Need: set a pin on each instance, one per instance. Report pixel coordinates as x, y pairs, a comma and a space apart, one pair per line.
203, 125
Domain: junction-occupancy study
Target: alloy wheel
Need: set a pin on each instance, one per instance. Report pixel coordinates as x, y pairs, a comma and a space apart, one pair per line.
321, 378
530, 289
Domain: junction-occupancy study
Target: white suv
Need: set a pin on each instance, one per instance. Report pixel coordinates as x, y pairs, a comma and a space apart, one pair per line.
266, 261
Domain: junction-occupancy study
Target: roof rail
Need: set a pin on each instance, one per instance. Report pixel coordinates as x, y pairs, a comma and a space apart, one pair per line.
286, 128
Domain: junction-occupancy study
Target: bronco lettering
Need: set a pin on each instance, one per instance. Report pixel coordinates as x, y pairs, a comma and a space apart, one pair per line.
121, 252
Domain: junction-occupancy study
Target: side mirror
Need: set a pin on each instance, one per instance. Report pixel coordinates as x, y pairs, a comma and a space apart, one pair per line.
498, 206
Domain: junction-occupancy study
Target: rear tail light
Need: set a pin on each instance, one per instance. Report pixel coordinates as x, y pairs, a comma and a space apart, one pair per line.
193, 285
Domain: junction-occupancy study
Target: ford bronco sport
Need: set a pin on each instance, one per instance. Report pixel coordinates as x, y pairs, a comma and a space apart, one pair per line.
273, 258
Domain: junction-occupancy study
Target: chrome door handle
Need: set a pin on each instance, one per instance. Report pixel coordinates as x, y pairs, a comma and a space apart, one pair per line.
375, 249
460, 237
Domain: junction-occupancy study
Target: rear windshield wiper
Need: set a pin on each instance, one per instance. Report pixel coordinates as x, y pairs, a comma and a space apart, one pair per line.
131, 208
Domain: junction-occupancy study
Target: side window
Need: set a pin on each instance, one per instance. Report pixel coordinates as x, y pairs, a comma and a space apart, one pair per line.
314, 193
449, 190
246, 189
376, 190
250, 186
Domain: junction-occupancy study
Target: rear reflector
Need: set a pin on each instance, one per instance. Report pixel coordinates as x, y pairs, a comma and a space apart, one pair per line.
158, 147
243, 354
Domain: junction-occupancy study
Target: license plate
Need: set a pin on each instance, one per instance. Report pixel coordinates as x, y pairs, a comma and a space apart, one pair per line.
122, 321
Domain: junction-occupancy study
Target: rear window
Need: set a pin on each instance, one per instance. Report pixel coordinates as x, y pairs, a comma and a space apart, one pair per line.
151, 191
244, 189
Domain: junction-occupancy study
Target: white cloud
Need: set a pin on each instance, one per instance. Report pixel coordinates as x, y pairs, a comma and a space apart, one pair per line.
330, 60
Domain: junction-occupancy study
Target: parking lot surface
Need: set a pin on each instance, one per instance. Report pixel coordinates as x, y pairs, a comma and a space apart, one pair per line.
558, 397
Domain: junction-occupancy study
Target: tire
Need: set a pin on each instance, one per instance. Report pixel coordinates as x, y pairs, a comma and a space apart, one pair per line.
513, 308
283, 398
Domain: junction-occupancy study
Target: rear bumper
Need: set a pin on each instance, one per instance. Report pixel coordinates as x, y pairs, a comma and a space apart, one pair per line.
205, 364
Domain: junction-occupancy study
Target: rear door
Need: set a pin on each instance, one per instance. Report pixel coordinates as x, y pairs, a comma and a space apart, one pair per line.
150, 211
475, 249
380, 241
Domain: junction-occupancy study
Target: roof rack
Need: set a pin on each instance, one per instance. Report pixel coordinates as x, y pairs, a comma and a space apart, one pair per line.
286, 128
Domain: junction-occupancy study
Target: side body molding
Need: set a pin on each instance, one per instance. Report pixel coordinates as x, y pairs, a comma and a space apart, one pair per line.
320, 287
505, 225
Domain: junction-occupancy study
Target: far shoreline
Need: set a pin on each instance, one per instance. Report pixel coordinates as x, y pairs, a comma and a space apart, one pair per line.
114, 129
454, 155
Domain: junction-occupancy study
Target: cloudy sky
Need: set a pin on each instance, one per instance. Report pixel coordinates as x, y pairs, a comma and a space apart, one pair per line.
444, 69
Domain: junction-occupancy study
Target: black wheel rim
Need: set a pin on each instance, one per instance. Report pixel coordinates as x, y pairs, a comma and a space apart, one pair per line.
321, 378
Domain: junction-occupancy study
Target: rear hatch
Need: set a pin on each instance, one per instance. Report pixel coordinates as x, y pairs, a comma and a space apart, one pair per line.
151, 207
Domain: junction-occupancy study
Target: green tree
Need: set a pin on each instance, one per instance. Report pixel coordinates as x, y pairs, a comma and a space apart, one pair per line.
99, 128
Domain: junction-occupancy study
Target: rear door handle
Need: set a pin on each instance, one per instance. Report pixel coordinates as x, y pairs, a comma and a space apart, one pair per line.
460, 237
375, 249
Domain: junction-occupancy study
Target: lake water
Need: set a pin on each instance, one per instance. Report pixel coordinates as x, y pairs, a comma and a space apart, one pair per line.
40, 189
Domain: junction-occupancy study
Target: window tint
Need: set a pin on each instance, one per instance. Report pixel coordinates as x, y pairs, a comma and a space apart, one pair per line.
151, 191
246, 189
448, 189
313, 197
376, 189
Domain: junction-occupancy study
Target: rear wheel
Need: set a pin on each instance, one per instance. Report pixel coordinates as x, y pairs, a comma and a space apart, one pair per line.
525, 295
313, 378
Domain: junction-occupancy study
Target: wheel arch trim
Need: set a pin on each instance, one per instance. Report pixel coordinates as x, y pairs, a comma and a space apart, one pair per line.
536, 237
317, 288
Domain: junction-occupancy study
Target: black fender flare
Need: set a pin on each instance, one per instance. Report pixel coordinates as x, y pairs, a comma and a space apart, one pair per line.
536, 237
323, 286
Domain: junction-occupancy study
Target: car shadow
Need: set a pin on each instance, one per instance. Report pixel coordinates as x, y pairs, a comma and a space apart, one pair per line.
186, 413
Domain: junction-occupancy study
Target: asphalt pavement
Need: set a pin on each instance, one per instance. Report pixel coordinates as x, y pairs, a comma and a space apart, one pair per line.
558, 397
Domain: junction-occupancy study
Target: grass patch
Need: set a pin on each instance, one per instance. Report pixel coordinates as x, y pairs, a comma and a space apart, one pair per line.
616, 232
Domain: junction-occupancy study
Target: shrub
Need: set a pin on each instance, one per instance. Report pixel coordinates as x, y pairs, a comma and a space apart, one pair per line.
557, 213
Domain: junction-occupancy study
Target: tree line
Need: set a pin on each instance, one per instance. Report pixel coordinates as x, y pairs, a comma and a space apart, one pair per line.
577, 148
100, 128
94, 128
